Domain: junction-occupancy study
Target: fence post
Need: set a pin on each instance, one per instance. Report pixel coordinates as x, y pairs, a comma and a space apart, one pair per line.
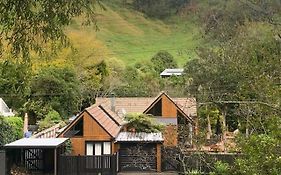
2, 163
77, 164
114, 164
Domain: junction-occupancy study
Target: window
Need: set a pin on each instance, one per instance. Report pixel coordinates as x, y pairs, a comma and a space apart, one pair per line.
98, 148
156, 110
76, 129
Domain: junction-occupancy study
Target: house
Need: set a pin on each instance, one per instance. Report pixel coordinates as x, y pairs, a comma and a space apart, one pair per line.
4, 109
97, 131
177, 114
171, 72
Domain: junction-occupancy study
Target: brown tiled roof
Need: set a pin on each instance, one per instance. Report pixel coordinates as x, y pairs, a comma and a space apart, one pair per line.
118, 120
104, 119
188, 105
129, 104
140, 104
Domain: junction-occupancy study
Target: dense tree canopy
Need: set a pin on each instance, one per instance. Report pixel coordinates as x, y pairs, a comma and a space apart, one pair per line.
54, 88
28, 25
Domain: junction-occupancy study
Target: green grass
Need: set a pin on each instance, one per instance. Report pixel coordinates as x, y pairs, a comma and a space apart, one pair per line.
130, 36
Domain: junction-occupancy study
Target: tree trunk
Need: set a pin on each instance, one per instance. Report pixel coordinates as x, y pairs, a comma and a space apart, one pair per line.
224, 124
209, 128
247, 126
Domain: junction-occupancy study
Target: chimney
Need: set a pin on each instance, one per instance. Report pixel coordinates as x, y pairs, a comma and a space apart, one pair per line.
25, 124
112, 99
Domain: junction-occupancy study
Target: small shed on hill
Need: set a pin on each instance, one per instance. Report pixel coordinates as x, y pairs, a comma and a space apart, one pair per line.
171, 72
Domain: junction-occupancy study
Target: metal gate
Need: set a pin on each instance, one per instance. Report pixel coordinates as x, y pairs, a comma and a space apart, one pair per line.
34, 159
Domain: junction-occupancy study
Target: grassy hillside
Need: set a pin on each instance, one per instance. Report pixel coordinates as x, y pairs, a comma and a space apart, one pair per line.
128, 35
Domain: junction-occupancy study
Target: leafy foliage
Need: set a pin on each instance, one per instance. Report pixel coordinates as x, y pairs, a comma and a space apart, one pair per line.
10, 129
52, 118
261, 151
221, 168
28, 25
163, 60
222, 19
14, 82
54, 88
142, 123
159, 8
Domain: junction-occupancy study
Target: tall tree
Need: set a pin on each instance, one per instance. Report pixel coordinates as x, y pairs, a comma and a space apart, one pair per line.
54, 88
27, 25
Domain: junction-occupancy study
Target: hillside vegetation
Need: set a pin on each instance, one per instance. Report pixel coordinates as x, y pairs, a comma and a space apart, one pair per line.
130, 36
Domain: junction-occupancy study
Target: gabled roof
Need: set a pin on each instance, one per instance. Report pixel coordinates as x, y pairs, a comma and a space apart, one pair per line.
160, 97
140, 104
102, 117
4, 109
111, 124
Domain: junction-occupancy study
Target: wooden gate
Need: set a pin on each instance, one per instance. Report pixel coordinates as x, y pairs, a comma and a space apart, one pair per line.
87, 165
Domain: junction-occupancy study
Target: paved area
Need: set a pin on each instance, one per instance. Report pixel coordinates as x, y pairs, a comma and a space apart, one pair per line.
152, 173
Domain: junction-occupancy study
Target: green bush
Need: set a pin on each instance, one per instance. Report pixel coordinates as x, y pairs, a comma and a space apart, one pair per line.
142, 123
163, 60
11, 129
52, 118
220, 168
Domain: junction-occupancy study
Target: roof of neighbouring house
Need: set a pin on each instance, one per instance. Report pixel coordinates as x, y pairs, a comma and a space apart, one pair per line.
4, 109
139, 137
140, 104
37, 143
170, 72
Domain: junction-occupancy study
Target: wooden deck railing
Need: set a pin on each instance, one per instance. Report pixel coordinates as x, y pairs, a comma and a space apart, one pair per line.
51, 132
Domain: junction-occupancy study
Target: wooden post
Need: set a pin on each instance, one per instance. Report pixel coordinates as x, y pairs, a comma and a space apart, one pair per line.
158, 157
55, 161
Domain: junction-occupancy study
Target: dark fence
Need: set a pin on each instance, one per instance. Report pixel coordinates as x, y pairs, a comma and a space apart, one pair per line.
174, 160
205, 162
2, 162
86, 165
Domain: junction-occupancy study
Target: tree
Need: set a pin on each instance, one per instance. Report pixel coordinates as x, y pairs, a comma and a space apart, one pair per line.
244, 69
221, 19
163, 60
54, 88
261, 152
28, 25
14, 83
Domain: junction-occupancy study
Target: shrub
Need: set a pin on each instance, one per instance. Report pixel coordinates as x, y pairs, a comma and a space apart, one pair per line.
220, 168
52, 118
11, 129
142, 123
